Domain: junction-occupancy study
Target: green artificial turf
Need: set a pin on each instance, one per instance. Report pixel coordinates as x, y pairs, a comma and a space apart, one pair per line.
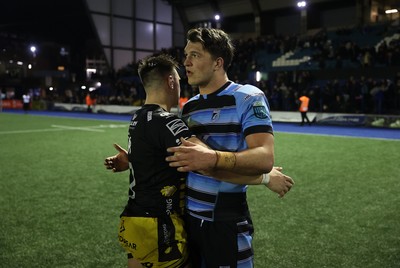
59, 206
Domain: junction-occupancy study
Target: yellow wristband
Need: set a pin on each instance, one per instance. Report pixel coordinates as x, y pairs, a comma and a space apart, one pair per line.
225, 160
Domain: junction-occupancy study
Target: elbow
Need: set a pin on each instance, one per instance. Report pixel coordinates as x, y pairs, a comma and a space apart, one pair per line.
268, 164
268, 167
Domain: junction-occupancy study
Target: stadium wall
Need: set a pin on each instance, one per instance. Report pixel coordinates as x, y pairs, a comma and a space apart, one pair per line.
358, 120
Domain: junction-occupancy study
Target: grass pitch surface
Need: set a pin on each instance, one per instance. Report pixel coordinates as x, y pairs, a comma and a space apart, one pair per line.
59, 207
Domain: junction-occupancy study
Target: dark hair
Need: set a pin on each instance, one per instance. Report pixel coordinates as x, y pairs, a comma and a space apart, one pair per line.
215, 41
156, 67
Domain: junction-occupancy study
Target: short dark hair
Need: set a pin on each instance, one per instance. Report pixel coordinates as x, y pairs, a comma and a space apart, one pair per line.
156, 67
215, 41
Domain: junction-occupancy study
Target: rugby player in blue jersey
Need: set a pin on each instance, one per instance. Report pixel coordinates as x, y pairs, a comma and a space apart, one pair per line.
233, 120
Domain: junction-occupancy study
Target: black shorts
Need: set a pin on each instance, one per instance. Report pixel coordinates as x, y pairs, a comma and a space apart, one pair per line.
220, 243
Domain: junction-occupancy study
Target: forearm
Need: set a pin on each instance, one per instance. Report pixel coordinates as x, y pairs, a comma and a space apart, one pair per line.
250, 162
195, 155
232, 177
256, 160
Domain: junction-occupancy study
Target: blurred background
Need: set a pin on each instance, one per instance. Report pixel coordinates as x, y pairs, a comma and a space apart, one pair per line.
345, 54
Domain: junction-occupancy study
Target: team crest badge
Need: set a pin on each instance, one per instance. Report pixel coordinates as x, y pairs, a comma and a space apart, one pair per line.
259, 110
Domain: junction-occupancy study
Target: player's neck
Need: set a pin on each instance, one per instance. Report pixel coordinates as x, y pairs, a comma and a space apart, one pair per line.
213, 85
157, 101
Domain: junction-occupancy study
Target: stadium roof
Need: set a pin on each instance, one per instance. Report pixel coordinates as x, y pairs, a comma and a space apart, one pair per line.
66, 20
200, 10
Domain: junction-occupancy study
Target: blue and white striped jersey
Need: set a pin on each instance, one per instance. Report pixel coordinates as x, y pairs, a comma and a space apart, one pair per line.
222, 120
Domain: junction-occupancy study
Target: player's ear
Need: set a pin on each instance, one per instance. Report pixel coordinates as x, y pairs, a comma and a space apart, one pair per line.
171, 81
219, 63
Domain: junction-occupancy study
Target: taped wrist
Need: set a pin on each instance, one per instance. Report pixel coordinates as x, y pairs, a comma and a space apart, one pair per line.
225, 160
265, 178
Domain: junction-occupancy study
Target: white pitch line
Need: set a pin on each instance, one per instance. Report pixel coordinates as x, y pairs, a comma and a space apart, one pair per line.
62, 128
31, 131
78, 128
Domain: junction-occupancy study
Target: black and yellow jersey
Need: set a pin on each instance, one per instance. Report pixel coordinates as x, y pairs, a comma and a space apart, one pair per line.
155, 188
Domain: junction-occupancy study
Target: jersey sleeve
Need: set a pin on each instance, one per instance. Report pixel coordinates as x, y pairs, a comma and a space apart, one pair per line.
172, 129
253, 108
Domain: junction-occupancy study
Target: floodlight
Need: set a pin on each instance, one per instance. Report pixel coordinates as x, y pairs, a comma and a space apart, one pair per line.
301, 4
391, 11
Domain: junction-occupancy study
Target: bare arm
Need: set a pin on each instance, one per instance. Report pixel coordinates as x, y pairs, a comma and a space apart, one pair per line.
194, 155
278, 182
205, 157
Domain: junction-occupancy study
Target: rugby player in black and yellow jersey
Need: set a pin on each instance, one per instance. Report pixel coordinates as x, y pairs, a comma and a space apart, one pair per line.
151, 227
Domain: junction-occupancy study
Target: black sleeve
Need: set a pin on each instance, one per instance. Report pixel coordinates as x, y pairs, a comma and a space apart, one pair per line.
172, 130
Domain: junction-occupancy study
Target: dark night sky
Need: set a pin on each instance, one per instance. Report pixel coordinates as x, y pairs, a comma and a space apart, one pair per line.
50, 20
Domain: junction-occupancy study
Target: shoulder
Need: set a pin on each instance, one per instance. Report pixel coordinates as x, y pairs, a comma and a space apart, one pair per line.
249, 89
246, 92
164, 116
194, 98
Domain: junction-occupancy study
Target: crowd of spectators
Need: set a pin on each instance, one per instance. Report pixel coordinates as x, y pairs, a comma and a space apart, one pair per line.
350, 94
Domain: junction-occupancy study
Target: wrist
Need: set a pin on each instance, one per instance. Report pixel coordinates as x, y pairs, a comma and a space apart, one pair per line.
225, 160
265, 179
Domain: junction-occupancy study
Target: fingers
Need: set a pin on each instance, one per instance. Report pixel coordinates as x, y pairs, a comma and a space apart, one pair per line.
182, 147
174, 149
177, 152
285, 185
119, 148
289, 179
187, 143
109, 164
279, 168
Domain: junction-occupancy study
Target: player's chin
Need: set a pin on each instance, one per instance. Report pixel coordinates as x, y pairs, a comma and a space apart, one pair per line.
192, 81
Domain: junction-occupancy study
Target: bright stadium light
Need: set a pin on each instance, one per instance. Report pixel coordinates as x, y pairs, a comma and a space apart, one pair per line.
33, 50
258, 76
391, 11
217, 17
301, 4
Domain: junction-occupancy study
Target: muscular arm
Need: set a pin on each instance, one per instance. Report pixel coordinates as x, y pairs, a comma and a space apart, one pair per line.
258, 158
279, 182
193, 155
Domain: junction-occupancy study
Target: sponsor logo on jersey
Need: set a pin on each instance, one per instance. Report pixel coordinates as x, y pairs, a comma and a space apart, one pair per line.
166, 114
176, 126
127, 243
168, 190
259, 110
122, 227
133, 123
215, 115
149, 115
